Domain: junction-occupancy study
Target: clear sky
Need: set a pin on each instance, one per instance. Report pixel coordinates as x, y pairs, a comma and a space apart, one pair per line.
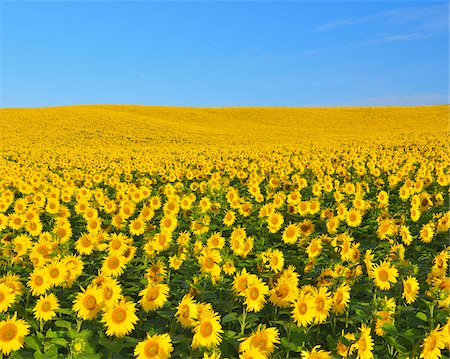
224, 53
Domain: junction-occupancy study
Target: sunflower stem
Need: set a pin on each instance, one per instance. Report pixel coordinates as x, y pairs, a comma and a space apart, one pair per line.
41, 326
79, 322
244, 316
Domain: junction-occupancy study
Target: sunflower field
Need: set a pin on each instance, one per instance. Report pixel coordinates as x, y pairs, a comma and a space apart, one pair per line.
158, 232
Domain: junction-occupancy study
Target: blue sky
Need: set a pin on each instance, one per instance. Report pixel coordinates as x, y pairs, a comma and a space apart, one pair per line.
224, 53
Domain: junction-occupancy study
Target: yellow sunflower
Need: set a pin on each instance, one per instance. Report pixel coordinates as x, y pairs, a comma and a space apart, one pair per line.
255, 295
341, 299
12, 333
263, 339
365, 343
113, 265
88, 303
384, 275
291, 234
303, 312
187, 311
120, 318
284, 293
158, 346
432, 344
410, 289
322, 304
154, 296
7, 297
315, 353
45, 307
38, 282
207, 331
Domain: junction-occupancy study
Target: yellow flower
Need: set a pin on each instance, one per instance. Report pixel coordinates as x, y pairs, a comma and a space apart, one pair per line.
354, 218
136, 226
120, 318
284, 293
322, 304
341, 299
291, 234
12, 333
88, 303
384, 275
154, 296
111, 291
315, 353
410, 289
263, 339
344, 350
207, 332
433, 344
38, 282
45, 307
7, 297
303, 312
113, 265
187, 311
255, 295
158, 346
364, 343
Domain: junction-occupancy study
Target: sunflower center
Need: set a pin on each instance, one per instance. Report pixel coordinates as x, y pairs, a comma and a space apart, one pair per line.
38, 280
339, 297
89, 302
151, 349
152, 294
116, 244
2, 297
282, 291
304, 227
113, 263
206, 329
85, 241
107, 293
290, 232
408, 288
274, 260
320, 303
33, 226
259, 341
8, 332
61, 232
352, 217
185, 311
254, 293
362, 344
302, 308
383, 275
119, 315
136, 225
46, 307
209, 263
54, 273
431, 344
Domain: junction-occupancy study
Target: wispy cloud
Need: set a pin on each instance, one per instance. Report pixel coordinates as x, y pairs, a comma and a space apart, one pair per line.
417, 99
405, 24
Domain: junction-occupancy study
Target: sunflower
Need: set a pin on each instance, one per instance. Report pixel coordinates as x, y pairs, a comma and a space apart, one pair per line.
275, 221
120, 318
228, 267
303, 312
410, 289
13, 282
136, 227
427, 232
154, 297
73, 263
341, 299
252, 353
315, 353
405, 235
187, 311
111, 291
113, 265
284, 293
241, 282
38, 282
314, 247
118, 244
7, 297
55, 272
12, 333
344, 350
88, 303
384, 275
216, 241
45, 307
157, 272
158, 346
432, 344
34, 227
85, 244
291, 234
276, 260
207, 331
306, 228
255, 295
322, 304
354, 218
364, 343
263, 339
21, 244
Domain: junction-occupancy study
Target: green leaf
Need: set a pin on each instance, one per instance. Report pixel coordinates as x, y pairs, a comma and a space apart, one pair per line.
32, 343
231, 317
63, 324
59, 341
422, 316
389, 328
